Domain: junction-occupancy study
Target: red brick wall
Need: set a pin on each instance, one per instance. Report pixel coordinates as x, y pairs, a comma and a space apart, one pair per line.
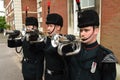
32, 7
9, 9
6, 2
57, 6
110, 32
32, 4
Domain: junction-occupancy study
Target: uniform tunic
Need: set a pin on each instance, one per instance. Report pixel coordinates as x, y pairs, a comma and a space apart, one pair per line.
54, 63
88, 65
33, 60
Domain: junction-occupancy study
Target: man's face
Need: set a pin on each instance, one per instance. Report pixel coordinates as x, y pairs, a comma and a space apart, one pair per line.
88, 34
53, 29
31, 28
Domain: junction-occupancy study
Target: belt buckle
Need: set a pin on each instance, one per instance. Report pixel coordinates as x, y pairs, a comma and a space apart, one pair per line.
25, 59
49, 71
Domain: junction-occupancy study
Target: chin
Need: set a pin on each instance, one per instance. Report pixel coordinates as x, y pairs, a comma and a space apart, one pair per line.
85, 41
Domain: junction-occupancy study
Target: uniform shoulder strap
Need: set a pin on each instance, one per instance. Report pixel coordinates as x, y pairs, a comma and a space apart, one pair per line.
105, 55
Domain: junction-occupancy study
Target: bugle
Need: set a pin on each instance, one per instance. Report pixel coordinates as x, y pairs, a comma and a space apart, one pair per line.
12, 33
61, 41
40, 36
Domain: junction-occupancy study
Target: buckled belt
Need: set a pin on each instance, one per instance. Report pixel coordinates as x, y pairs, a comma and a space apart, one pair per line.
32, 61
52, 72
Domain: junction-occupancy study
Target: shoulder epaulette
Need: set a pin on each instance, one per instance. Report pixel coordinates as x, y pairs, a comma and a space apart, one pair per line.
109, 56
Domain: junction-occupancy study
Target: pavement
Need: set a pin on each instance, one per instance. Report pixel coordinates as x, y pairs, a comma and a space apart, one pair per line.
3, 39
10, 66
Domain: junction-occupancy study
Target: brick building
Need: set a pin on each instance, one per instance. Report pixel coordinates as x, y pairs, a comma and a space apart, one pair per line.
108, 10
56, 6
66, 8
110, 25
15, 12
109, 19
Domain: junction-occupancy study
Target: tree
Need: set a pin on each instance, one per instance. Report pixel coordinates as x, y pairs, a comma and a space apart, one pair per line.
3, 24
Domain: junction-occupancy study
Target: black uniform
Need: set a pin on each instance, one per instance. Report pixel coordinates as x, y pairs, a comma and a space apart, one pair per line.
94, 62
33, 60
55, 64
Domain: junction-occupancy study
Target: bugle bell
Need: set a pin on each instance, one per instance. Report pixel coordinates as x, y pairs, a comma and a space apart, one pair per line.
41, 37
12, 33
61, 41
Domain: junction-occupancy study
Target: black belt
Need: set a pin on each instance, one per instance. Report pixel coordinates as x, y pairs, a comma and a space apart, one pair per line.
53, 72
31, 61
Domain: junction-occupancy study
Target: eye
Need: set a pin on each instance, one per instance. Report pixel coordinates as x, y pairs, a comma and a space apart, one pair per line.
81, 30
86, 30
50, 25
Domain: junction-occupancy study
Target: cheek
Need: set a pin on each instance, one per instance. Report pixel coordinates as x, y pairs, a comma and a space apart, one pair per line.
48, 28
31, 27
89, 33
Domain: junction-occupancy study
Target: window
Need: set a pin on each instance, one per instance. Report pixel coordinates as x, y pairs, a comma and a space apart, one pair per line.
40, 4
12, 6
87, 4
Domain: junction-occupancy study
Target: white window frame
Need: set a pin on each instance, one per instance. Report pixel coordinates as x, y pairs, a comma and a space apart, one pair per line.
12, 6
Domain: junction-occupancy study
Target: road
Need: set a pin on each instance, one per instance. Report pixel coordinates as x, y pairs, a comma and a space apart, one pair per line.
10, 66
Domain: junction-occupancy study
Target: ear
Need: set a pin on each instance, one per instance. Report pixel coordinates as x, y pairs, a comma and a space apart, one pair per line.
58, 28
35, 27
96, 30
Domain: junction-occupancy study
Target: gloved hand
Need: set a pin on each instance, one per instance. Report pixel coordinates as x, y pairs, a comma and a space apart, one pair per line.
33, 36
15, 34
70, 37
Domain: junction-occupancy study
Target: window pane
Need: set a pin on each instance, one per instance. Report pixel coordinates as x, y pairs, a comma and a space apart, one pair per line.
92, 3
87, 3
84, 3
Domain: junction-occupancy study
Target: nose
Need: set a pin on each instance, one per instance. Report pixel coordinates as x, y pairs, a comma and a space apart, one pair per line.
82, 33
48, 27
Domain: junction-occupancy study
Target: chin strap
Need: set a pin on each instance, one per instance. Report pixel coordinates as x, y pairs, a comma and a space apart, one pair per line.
52, 30
89, 36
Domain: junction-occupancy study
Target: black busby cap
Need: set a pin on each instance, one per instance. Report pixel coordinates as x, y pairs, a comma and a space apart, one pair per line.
88, 18
31, 21
54, 18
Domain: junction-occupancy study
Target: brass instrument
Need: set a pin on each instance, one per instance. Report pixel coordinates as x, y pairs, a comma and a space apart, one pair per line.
7, 32
61, 41
13, 34
41, 36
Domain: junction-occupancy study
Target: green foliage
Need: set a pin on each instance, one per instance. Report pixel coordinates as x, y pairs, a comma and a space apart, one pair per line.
6, 26
2, 22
